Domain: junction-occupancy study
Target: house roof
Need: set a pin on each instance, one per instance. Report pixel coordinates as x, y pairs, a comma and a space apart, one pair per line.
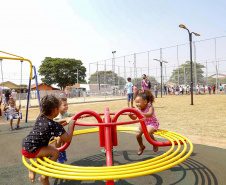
171, 83
222, 75
2, 84
34, 85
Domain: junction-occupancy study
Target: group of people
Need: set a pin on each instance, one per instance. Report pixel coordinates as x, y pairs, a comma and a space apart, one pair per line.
50, 125
221, 88
177, 90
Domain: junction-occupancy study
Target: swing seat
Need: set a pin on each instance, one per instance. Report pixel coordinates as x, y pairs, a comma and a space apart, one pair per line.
17, 113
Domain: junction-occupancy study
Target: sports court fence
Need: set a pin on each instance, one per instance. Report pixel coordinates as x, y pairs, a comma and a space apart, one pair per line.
111, 74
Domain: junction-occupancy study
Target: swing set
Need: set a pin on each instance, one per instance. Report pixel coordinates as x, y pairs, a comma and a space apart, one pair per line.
32, 68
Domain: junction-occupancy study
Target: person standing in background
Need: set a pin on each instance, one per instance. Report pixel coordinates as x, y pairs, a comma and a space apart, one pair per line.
156, 90
165, 89
204, 90
7, 96
129, 89
209, 89
145, 83
221, 89
214, 88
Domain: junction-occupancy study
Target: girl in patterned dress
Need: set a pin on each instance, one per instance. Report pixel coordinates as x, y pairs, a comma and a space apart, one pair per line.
144, 100
36, 144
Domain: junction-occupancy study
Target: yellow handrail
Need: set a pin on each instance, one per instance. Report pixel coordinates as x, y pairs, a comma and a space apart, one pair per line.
19, 58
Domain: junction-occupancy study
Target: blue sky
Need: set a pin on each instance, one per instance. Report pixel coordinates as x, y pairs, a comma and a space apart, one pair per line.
90, 30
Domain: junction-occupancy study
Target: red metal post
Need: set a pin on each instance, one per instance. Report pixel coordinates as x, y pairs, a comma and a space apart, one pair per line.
108, 142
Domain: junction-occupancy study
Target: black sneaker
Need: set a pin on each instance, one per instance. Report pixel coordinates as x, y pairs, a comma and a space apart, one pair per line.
17, 127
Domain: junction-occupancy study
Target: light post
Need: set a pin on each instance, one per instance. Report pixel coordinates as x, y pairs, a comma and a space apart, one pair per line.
113, 67
161, 71
190, 39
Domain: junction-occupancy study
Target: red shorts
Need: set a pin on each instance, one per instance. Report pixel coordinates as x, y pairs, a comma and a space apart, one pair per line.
28, 154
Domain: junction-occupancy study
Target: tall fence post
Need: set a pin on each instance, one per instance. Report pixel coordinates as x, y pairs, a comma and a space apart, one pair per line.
195, 67
135, 69
178, 81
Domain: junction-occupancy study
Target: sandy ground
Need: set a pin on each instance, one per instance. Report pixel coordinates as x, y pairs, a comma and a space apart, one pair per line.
203, 123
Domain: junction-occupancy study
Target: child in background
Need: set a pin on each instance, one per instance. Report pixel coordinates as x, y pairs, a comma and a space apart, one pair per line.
209, 89
144, 100
36, 144
12, 109
204, 90
214, 88
129, 89
62, 118
188, 89
221, 89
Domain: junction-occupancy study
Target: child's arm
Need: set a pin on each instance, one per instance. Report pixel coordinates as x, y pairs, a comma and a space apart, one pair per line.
71, 115
149, 113
145, 82
63, 122
67, 136
17, 109
5, 108
133, 117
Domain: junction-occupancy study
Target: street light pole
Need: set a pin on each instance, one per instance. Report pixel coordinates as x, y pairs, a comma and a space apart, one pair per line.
113, 67
190, 39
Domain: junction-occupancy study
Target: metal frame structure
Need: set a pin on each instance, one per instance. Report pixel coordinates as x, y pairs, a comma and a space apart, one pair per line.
16, 57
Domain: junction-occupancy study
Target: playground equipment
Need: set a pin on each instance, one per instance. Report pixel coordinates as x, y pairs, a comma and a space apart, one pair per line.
32, 68
108, 138
17, 113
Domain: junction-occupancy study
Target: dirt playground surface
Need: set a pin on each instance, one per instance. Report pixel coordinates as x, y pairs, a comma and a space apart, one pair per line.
203, 123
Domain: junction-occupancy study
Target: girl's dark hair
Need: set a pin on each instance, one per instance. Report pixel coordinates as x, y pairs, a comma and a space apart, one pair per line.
48, 104
62, 100
145, 95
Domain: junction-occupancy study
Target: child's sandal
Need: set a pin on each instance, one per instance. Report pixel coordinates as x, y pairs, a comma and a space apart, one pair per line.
155, 149
140, 151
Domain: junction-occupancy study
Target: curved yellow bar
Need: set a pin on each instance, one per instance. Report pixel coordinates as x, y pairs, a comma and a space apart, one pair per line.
19, 58
165, 161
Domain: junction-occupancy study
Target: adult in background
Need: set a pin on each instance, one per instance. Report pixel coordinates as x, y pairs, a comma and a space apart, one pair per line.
7, 96
156, 90
165, 89
129, 89
145, 83
14, 95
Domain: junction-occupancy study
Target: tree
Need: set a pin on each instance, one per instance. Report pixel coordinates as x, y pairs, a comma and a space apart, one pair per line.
187, 75
106, 78
62, 71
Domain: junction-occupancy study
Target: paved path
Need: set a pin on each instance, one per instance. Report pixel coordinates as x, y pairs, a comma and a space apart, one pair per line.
206, 165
